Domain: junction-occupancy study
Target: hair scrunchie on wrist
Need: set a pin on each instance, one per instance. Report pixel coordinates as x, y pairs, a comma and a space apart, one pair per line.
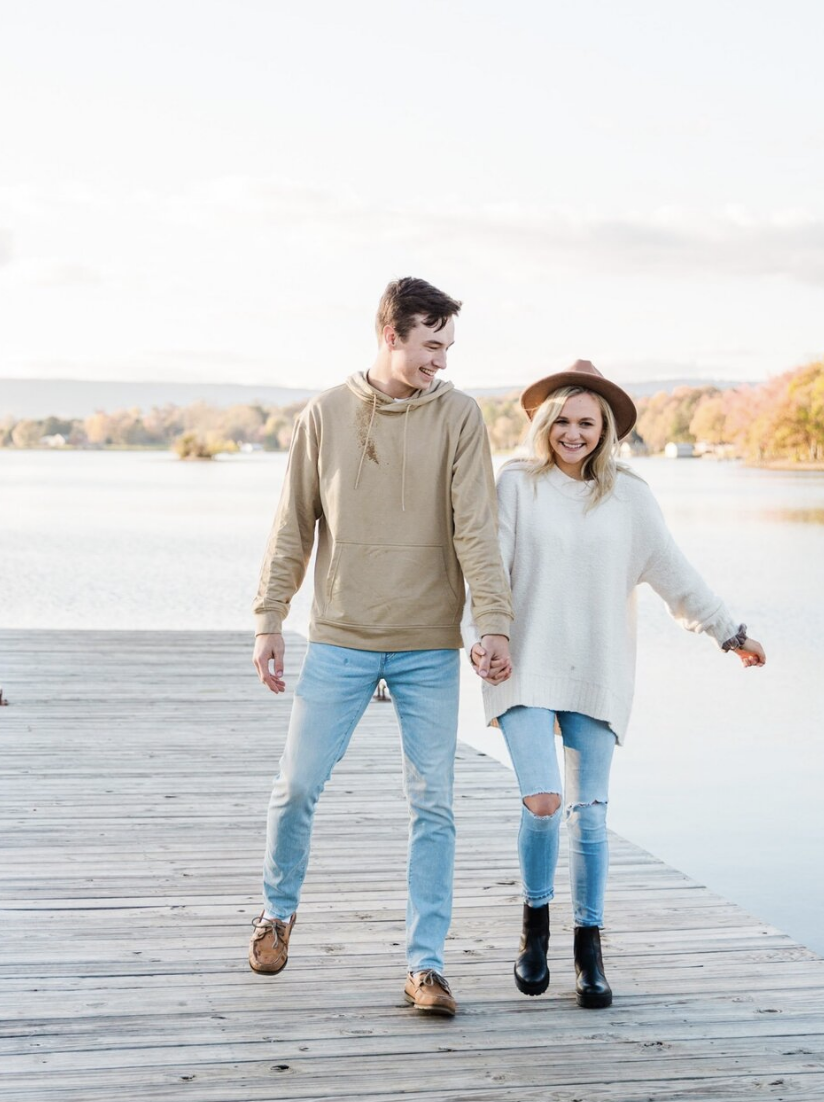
736, 642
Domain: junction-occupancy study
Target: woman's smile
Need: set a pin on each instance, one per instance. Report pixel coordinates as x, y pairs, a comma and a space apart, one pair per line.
575, 433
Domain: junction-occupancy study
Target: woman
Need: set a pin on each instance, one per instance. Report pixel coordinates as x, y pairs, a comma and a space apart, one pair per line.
578, 534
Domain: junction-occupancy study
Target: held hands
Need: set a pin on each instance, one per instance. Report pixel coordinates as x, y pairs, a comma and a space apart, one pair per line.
751, 653
490, 659
269, 649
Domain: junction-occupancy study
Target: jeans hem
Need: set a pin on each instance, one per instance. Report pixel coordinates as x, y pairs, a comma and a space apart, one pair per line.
269, 914
437, 966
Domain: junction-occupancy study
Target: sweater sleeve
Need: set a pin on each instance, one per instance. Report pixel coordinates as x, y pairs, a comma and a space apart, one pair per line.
475, 530
687, 596
507, 519
293, 532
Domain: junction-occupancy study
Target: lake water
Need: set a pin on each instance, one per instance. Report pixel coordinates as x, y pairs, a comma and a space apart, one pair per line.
723, 768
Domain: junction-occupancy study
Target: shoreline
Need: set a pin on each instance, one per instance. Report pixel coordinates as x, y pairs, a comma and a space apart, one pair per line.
785, 465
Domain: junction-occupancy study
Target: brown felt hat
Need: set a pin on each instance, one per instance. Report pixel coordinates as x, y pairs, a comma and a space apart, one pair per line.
586, 375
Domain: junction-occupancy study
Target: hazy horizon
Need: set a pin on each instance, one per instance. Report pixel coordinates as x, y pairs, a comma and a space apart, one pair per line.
79, 398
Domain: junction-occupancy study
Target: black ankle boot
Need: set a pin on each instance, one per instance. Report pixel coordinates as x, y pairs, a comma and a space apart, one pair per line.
531, 972
591, 983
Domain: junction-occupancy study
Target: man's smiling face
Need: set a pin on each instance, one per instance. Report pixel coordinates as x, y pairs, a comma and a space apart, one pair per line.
417, 358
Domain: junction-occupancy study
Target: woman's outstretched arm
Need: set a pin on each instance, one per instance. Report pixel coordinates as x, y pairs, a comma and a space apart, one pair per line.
687, 596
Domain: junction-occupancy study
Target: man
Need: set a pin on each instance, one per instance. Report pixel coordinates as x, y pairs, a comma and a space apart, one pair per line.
393, 468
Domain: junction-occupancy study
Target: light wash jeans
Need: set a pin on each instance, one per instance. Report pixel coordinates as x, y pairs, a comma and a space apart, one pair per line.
334, 688
588, 749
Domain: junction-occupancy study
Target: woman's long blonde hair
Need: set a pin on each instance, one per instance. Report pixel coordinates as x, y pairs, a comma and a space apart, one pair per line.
600, 468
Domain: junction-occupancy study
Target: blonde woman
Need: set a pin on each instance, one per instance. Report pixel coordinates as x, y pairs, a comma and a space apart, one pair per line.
578, 534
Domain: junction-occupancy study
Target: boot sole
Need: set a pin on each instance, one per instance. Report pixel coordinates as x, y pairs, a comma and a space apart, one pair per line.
530, 988
594, 1002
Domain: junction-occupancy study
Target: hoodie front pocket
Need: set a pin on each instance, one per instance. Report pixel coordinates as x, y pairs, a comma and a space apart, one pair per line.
390, 586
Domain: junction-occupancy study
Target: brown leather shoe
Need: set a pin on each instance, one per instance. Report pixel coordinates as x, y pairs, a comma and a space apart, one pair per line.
269, 947
429, 991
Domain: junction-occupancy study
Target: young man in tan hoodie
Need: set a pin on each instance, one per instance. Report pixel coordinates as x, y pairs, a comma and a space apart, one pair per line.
392, 470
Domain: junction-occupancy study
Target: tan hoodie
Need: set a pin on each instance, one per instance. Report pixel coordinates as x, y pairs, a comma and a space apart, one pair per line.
403, 496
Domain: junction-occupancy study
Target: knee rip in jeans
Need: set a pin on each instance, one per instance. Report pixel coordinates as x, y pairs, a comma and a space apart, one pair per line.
543, 805
597, 807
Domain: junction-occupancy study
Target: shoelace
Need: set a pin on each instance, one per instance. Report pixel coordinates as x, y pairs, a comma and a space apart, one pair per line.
431, 978
277, 926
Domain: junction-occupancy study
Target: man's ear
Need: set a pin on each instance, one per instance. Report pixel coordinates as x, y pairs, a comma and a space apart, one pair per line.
390, 336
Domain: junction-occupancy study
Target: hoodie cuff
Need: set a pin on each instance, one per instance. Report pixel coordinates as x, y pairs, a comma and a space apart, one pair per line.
268, 623
493, 625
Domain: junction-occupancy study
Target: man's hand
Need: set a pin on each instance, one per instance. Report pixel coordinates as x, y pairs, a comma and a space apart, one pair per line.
751, 653
491, 659
270, 649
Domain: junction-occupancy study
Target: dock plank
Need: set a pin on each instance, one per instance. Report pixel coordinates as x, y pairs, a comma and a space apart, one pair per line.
135, 769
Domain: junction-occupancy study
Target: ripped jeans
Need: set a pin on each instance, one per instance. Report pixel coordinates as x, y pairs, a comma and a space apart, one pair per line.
588, 749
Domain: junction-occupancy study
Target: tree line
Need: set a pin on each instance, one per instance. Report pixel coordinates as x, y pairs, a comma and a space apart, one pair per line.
199, 429
779, 420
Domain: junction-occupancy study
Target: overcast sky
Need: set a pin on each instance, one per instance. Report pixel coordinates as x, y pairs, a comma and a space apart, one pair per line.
218, 191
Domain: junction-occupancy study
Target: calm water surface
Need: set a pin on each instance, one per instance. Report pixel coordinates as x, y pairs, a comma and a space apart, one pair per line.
723, 768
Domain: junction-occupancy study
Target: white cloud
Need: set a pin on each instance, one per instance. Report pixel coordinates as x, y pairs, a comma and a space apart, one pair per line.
48, 272
676, 242
239, 269
672, 241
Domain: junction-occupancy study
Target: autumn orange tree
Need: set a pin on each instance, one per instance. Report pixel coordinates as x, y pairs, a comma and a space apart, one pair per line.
781, 419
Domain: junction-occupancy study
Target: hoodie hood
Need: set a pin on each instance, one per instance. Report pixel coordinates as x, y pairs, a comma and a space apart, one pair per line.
382, 403
359, 384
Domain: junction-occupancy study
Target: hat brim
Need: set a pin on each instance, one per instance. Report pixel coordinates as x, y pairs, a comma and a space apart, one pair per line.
622, 405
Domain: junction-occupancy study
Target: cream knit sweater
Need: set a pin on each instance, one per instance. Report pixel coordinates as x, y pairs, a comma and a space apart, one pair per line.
573, 576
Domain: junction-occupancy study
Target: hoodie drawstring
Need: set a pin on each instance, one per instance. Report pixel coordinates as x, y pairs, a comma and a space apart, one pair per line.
366, 448
366, 441
403, 469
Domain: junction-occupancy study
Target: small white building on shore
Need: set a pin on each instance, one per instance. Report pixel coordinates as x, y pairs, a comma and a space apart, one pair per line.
679, 451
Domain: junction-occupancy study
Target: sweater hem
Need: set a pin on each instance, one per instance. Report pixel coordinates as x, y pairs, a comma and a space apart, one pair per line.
558, 695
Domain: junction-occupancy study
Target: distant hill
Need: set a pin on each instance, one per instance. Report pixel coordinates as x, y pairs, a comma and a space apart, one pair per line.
38, 398
653, 386
638, 390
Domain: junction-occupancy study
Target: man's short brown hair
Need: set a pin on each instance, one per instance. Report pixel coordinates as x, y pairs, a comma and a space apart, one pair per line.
406, 299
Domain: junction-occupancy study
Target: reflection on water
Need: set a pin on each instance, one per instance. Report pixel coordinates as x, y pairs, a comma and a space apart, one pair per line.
718, 513
792, 516
722, 772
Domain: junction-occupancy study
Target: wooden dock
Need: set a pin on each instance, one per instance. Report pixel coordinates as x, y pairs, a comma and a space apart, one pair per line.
136, 769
